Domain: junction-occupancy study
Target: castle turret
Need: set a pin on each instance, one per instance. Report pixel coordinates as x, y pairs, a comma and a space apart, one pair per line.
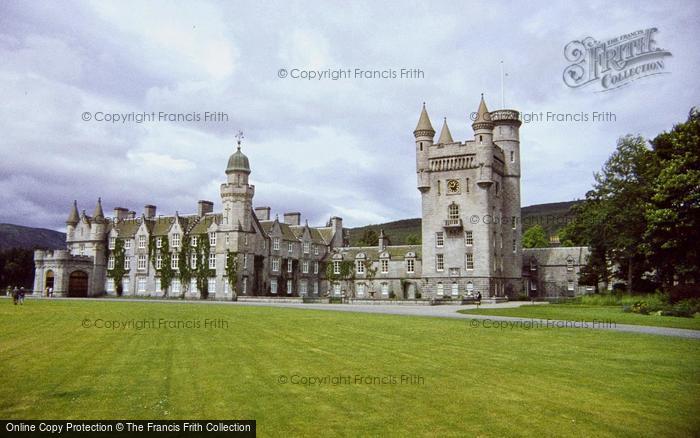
236, 193
72, 221
506, 134
98, 221
424, 134
483, 138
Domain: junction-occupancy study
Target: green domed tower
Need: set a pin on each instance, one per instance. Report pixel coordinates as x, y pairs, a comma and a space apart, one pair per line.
236, 193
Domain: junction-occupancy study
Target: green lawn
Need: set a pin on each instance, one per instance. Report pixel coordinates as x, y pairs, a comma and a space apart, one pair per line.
476, 381
574, 312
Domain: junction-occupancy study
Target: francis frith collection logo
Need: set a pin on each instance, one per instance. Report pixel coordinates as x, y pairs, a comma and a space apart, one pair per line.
615, 62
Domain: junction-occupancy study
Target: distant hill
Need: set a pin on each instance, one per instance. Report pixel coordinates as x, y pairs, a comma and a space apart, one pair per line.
552, 217
17, 236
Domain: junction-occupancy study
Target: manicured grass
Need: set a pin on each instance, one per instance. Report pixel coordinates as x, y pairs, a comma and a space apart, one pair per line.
476, 381
573, 312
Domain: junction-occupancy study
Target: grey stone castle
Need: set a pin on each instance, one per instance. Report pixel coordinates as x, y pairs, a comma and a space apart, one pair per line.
471, 238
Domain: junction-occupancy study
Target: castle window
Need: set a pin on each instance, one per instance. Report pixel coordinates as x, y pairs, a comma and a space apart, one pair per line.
315, 267
315, 287
570, 285
385, 266
533, 264
421, 146
244, 286
385, 290
276, 244
245, 261
193, 261
82, 249
289, 265
303, 288
514, 245
159, 261
176, 286
125, 285
469, 265
110, 262
512, 156
306, 247
158, 286
410, 266
176, 240
469, 238
226, 238
290, 287
513, 222
110, 285
360, 266
455, 289
142, 285
212, 238
141, 263
315, 249
211, 285
336, 289
498, 188
305, 267
470, 287
453, 211
336, 267
290, 247
159, 242
439, 239
481, 138
112, 242
273, 286
142, 242
193, 241
440, 289
174, 261
275, 264
361, 290
466, 186
439, 262
127, 244
438, 187
127, 263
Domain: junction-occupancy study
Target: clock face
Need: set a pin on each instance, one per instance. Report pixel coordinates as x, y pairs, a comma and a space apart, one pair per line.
453, 186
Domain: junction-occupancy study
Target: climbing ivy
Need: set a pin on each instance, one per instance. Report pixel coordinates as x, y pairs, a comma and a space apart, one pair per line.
166, 270
118, 272
202, 273
185, 272
232, 270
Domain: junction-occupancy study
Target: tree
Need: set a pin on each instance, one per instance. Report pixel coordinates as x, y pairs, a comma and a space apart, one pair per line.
413, 239
369, 238
673, 210
535, 237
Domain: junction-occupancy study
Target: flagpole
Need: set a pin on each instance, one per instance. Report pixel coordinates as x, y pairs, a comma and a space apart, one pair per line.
503, 99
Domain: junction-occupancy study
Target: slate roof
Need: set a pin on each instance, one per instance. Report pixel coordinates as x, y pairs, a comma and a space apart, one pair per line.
556, 256
397, 252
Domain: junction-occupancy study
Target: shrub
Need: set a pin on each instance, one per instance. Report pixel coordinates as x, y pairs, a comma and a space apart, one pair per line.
684, 291
640, 307
522, 297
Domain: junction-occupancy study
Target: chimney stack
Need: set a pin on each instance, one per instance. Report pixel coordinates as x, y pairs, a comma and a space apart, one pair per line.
336, 224
149, 211
120, 213
204, 207
262, 213
292, 218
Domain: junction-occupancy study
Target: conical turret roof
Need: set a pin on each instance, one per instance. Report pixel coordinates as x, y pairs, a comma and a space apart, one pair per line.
483, 118
424, 127
98, 214
445, 134
73, 217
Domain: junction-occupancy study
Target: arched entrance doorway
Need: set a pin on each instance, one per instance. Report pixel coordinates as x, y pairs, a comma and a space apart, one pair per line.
48, 283
78, 284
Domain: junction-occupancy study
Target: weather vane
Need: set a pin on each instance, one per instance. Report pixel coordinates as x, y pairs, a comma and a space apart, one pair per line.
239, 137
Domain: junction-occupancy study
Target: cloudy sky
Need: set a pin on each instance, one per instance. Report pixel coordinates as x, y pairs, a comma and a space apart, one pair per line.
322, 147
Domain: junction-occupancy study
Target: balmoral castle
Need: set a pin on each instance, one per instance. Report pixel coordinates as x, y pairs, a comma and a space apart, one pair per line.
471, 238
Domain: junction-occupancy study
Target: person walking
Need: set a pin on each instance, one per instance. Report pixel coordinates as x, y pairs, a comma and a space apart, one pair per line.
21, 295
478, 297
15, 295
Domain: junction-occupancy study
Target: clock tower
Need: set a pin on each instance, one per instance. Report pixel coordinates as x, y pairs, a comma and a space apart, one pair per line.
470, 196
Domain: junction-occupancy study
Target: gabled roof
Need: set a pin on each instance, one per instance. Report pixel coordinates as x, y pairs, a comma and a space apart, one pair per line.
397, 252
556, 256
127, 228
